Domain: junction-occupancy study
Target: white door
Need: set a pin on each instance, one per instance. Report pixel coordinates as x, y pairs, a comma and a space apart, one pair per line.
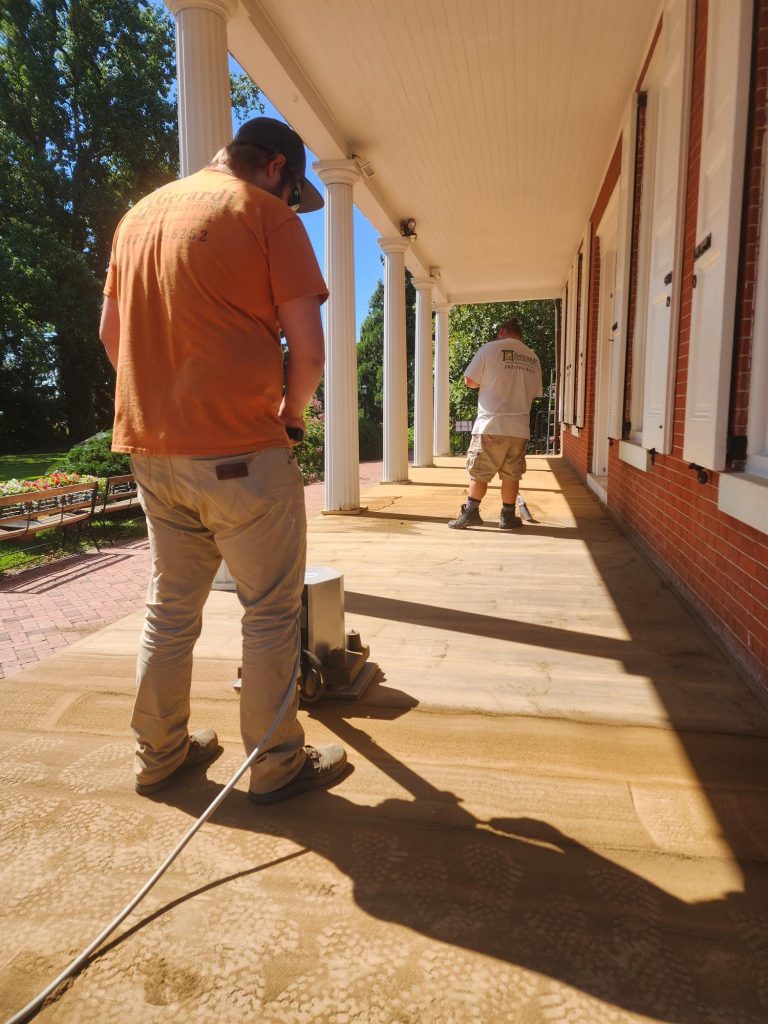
561, 360
570, 343
604, 345
666, 214
621, 291
718, 229
581, 344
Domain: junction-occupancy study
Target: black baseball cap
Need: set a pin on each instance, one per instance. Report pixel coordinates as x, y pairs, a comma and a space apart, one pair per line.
275, 135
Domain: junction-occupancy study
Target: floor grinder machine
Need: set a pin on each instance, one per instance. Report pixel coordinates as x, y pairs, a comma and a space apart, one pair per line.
334, 660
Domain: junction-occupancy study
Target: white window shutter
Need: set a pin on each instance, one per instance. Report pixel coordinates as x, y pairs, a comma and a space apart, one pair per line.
718, 229
621, 291
667, 212
570, 343
581, 345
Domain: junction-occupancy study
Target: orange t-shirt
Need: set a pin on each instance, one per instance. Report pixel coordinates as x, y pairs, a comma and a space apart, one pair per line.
198, 269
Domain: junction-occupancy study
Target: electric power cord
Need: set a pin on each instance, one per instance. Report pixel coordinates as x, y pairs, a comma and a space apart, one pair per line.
31, 1007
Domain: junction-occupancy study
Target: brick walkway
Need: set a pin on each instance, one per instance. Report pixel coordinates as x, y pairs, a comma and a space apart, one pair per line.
47, 608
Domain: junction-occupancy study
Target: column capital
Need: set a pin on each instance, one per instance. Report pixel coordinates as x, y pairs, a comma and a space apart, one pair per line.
394, 245
443, 307
423, 283
336, 172
224, 8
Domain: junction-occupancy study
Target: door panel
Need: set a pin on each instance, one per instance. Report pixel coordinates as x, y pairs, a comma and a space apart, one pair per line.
581, 346
621, 291
666, 217
570, 343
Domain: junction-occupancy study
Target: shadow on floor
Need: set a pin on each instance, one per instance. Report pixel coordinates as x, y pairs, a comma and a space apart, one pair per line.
520, 891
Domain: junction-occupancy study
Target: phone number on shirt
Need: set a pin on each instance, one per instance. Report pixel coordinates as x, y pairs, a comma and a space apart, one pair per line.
191, 234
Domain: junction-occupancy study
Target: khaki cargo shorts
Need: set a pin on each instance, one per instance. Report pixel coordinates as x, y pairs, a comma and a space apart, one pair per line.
490, 454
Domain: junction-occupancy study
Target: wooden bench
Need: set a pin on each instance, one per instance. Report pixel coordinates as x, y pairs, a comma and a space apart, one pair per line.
120, 495
24, 515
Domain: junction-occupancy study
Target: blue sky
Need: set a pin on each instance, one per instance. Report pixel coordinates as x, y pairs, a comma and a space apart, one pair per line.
368, 267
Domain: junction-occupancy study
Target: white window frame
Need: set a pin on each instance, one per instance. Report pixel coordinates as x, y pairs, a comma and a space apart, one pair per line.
744, 496
757, 429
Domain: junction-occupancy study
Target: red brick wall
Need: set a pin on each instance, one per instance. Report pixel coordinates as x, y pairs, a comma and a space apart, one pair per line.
719, 564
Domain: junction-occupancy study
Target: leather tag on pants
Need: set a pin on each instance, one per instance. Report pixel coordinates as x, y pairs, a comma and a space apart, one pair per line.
231, 470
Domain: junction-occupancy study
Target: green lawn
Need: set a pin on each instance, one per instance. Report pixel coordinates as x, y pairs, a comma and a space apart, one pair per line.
27, 465
51, 545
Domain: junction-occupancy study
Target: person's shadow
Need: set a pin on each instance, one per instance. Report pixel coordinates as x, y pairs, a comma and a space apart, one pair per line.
519, 890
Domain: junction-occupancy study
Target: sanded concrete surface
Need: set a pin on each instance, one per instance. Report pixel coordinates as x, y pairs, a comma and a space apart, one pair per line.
556, 812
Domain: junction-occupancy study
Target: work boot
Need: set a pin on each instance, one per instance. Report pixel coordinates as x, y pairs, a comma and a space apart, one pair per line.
322, 767
466, 517
508, 520
204, 746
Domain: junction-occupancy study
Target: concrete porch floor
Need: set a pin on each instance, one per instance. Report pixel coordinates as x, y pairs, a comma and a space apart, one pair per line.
557, 810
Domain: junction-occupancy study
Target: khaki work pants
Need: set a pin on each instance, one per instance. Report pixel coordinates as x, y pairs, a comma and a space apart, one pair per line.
255, 519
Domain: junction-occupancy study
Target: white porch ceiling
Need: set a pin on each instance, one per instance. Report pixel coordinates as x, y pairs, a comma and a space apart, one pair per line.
490, 122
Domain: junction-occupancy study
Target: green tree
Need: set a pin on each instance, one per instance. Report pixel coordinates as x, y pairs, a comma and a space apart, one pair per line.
370, 352
473, 326
88, 127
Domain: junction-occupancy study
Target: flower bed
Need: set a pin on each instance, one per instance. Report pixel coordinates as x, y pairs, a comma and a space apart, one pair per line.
43, 483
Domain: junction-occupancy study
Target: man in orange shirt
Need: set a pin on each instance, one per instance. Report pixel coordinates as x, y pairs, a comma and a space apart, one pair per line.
205, 274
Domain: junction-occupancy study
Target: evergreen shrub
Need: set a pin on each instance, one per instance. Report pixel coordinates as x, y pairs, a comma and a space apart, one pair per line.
94, 457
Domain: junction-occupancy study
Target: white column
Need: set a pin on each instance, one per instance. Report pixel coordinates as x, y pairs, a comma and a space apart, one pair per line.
422, 390
202, 70
342, 451
395, 364
442, 408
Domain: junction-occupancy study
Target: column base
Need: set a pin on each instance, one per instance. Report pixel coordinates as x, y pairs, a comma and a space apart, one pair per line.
343, 511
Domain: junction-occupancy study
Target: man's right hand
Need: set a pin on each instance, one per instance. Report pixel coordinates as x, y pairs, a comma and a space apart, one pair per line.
303, 328
292, 422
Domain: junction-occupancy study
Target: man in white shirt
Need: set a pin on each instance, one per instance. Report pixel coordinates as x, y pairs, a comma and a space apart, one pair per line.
508, 375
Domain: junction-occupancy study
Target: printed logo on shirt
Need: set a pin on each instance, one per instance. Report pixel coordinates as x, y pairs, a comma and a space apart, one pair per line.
185, 216
517, 361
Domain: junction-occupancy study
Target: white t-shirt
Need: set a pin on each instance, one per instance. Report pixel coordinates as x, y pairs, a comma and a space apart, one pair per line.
509, 375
